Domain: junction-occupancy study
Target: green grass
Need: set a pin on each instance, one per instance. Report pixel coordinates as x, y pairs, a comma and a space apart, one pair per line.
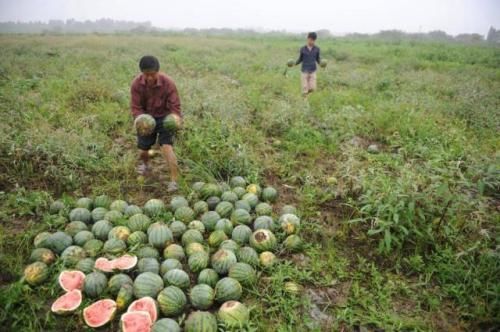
406, 239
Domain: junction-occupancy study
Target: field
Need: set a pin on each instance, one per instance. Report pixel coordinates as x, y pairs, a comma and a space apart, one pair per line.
401, 238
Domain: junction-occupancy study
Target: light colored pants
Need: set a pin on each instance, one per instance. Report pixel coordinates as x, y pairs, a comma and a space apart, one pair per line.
308, 82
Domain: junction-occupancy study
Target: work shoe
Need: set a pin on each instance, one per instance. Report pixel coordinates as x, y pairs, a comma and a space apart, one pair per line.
172, 187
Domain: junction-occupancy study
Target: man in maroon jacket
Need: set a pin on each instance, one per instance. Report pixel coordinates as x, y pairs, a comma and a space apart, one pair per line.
154, 93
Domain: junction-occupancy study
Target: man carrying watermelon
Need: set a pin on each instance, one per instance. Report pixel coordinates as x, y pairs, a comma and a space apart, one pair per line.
155, 94
309, 56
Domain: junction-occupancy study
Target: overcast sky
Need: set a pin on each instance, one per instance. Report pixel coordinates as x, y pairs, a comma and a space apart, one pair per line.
452, 16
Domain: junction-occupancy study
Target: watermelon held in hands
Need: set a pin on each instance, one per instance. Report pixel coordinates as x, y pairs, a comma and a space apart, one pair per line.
67, 303
200, 321
36, 273
71, 279
144, 124
145, 304
172, 123
136, 321
290, 63
323, 63
233, 314
99, 313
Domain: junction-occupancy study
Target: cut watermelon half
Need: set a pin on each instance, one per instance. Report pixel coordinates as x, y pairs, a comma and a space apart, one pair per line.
145, 304
71, 280
67, 303
125, 262
137, 321
99, 313
103, 264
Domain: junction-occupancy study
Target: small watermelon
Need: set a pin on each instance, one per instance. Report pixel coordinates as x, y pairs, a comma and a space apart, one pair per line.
208, 277
95, 283
147, 284
36, 273
144, 124
171, 301
200, 321
233, 314
202, 296
228, 289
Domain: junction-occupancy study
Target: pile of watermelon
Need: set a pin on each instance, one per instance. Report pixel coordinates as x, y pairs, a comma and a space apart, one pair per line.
158, 264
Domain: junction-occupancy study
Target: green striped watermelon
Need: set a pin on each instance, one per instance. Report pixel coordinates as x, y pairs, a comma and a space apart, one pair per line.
202, 296
147, 284
228, 289
172, 301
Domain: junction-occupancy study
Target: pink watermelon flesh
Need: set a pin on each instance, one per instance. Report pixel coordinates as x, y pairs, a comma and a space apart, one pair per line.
137, 321
71, 280
126, 262
99, 313
145, 304
104, 264
68, 302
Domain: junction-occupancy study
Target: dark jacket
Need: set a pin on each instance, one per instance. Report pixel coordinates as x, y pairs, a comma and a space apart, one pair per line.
309, 58
158, 100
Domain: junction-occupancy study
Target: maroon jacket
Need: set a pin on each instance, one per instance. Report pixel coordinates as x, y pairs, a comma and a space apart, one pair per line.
158, 101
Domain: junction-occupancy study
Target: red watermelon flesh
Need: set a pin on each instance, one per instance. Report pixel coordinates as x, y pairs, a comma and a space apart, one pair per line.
126, 262
99, 313
68, 302
145, 304
104, 264
71, 280
137, 321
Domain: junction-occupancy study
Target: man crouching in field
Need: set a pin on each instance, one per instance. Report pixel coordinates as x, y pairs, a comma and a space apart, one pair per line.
154, 93
309, 57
